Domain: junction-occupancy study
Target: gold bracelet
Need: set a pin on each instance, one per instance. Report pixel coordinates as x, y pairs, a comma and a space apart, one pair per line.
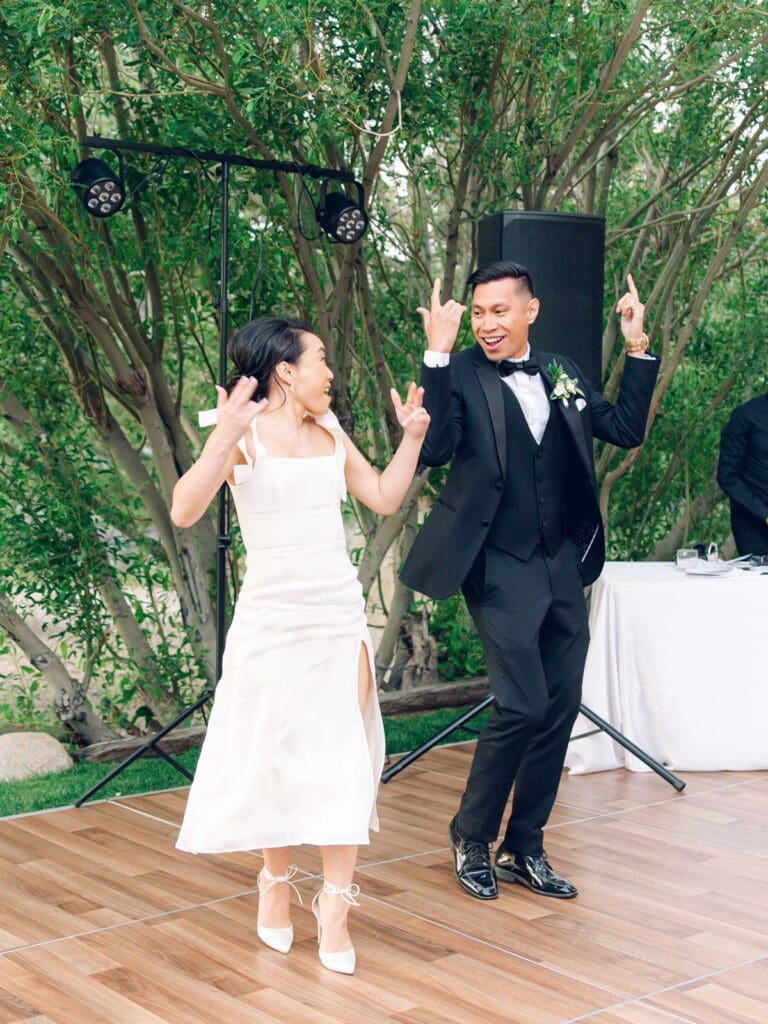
635, 345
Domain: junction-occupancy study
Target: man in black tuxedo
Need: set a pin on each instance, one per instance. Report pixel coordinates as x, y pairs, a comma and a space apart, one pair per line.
742, 472
518, 528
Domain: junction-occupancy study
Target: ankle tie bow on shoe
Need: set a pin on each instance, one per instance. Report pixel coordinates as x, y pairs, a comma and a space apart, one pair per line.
349, 895
272, 880
344, 962
280, 939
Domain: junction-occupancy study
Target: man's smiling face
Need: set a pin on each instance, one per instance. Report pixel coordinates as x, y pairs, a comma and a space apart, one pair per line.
501, 313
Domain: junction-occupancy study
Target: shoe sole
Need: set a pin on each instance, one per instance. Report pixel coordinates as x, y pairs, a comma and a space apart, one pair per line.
507, 876
469, 892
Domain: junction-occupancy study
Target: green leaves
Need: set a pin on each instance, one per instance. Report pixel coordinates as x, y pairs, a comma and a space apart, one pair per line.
503, 106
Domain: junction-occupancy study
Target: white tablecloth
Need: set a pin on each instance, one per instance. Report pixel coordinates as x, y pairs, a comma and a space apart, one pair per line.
679, 665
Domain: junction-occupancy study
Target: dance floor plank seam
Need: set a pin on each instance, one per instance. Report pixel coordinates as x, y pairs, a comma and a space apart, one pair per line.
664, 1016
493, 945
643, 1000
145, 814
706, 842
456, 931
127, 924
104, 922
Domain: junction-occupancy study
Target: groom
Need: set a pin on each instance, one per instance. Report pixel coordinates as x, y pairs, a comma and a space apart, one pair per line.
518, 528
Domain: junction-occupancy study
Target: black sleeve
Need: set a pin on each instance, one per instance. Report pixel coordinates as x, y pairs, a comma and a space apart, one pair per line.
734, 442
445, 405
623, 423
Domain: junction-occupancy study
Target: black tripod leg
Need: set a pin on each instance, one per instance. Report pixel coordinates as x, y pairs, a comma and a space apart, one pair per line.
434, 740
665, 774
149, 745
172, 762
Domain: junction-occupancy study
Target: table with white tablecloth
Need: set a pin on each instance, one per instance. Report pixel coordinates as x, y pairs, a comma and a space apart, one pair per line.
679, 665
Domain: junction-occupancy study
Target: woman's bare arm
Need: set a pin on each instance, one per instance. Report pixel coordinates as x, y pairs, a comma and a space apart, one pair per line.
196, 489
383, 492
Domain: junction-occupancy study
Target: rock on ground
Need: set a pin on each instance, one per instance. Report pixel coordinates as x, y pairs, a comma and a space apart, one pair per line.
25, 754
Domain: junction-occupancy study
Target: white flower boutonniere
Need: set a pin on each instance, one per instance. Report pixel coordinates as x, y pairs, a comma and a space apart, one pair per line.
563, 386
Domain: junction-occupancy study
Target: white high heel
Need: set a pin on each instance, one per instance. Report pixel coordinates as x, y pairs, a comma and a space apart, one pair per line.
280, 939
344, 962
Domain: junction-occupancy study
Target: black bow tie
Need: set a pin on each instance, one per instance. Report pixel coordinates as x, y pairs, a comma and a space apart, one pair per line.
508, 366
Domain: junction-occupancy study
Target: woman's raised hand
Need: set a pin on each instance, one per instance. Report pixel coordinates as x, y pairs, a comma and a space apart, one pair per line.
411, 414
236, 410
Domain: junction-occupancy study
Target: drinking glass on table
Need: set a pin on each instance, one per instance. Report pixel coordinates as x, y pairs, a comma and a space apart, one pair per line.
686, 558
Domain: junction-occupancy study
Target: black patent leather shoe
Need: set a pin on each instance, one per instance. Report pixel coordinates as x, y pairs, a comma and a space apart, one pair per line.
535, 873
472, 863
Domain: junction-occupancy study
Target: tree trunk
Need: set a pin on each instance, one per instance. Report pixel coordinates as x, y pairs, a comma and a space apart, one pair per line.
147, 678
69, 695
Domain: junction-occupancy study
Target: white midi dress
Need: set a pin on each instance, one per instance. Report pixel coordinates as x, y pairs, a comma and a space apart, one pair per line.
288, 758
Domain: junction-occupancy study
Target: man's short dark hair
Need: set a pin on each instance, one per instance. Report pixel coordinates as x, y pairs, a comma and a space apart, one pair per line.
499, 270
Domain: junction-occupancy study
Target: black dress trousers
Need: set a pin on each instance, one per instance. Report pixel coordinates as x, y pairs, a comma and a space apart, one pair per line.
532, 620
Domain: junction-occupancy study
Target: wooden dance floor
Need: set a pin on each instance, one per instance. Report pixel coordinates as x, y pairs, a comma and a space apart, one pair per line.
103, 922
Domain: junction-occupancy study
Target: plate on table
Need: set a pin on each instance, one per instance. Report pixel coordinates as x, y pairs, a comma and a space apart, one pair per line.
702, 568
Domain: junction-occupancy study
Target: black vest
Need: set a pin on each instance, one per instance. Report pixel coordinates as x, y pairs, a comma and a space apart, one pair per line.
533, 507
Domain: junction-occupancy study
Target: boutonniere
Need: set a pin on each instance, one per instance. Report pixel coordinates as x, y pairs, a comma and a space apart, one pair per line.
563, 386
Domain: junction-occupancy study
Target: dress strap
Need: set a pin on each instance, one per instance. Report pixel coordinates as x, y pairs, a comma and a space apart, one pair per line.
257, 445
209, 418
330, 423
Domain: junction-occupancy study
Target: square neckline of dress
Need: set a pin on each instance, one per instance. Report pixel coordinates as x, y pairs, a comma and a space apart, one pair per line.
259, 446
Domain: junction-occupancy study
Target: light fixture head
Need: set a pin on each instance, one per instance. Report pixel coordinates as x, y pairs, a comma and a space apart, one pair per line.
341, 218
101, 192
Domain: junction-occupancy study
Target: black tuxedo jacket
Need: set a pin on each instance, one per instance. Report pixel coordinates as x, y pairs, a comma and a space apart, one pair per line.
466, 406
742, 469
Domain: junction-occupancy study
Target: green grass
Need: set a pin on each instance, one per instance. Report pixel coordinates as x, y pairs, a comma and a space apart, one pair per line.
147, 774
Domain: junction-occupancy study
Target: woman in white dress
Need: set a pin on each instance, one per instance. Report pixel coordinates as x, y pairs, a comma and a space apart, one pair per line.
295, 744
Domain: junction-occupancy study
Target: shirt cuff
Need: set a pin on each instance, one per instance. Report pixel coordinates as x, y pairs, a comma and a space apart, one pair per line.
642, 355
436, 358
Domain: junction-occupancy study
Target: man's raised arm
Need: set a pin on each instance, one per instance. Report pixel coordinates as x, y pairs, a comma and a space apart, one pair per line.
624, 423
441, 400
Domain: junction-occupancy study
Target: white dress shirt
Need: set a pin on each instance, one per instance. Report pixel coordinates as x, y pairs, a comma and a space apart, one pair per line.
528, 389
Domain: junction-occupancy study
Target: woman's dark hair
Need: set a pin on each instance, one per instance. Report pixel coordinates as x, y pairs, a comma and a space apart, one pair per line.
260, 345
499, 270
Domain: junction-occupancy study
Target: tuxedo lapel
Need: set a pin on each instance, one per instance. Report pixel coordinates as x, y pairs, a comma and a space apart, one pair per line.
572, 418
571, 415
490, 381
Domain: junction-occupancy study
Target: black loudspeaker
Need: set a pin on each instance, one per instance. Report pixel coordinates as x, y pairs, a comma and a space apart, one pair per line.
564, 254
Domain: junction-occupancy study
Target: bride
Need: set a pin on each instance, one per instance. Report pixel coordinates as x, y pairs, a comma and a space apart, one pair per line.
295, 744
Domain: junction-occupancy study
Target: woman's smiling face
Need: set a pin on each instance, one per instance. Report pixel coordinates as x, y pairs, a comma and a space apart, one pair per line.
313, 376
